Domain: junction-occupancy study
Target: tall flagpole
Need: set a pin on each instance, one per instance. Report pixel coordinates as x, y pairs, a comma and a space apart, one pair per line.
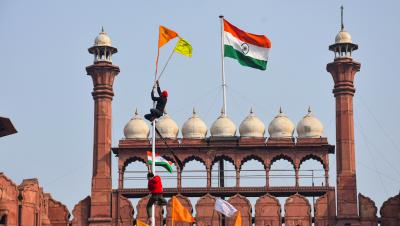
221, 161
222, 63
153, 167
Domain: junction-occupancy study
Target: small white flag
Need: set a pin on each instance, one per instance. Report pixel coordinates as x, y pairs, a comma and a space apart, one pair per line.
225, 207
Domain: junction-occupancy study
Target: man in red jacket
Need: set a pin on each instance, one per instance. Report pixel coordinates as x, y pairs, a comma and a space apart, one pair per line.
155, 188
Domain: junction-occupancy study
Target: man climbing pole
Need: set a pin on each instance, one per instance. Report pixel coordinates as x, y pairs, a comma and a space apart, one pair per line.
156, 190
161, 102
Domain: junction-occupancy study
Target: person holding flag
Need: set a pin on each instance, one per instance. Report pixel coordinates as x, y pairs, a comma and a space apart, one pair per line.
155, 188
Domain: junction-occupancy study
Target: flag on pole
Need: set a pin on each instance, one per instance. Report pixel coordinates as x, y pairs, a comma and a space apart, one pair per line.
183, 47
160, 161
164, 36
225, 207
249, 49
140, 223
238, 221
179, 212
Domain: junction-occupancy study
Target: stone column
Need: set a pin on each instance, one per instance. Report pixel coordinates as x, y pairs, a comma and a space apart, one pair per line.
103, 74
343, 71
237, 177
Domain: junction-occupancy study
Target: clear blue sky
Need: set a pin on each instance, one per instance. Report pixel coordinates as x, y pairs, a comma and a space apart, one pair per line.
45, 91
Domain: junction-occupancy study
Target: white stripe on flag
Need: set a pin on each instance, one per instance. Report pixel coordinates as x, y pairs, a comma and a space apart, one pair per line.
225, 207
257, 52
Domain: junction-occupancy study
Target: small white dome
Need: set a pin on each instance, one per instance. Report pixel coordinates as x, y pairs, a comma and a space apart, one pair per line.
281, 126
136, 128
102, 39
252, 126
309, 126
194, 127
343, 37
167, 127
223, 127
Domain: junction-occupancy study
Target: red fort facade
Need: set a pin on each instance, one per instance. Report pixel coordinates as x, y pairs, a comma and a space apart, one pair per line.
336, 204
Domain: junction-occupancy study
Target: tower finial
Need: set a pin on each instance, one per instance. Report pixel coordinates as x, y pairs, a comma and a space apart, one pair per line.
341, 17
102, 28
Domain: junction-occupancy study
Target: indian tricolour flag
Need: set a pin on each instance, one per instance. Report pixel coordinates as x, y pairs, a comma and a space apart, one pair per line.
160, 161
249, 49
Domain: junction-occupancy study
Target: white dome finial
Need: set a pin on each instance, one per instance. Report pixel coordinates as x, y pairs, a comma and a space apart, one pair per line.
136, 128
252, 126
167, 127
194, 127
223, 126
281, 126
310, 126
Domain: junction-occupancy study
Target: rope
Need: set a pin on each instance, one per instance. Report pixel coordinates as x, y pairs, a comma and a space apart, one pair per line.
387, 135
170, 149
377, 150
373, 162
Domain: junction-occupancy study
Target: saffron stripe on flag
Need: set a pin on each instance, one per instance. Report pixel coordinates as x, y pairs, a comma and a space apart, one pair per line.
259, 40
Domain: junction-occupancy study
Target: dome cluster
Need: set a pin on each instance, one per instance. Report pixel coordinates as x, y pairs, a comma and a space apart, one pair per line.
251, 127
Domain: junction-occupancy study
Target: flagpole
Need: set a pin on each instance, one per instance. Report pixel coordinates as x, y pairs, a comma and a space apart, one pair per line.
165, 66
153, 167
222, 64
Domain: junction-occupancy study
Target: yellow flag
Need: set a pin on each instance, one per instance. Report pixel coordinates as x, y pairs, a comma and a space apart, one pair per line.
179, 212
140, 223
183, 47
238, 221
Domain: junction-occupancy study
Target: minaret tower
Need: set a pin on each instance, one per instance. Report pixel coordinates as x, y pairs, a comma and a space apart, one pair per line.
343, 70
103, 73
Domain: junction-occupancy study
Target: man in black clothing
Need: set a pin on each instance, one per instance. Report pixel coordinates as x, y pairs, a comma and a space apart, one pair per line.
161, 102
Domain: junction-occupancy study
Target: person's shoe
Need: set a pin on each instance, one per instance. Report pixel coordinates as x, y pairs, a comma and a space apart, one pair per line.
148, 221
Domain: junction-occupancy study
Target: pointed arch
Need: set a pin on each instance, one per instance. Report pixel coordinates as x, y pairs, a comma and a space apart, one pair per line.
314, 157
191, 158
282, 156
133, 159
252, 157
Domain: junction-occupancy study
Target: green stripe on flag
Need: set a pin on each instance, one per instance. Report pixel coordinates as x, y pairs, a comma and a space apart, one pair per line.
162, 164
229, 51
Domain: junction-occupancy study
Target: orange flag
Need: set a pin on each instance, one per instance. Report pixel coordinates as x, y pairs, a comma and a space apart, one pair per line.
164, 36
140, 223
238, 221
180, 213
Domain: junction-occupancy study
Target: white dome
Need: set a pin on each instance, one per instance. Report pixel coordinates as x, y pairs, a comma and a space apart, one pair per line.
343, 37
309, 126
252, 126
281, 126
194, 127
136, 128
167, 127
223, 127
102, 39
